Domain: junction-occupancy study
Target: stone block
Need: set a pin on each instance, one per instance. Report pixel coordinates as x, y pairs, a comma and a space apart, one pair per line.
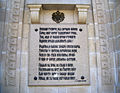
24, 61
96, 30
6, 29
114, 43
90, 18
16, 12
111, 4
5, 44
2, 15
93, 77
106, 3
21, 15
26, 16
95, 16
118, 75
93, 89
12, 48
91, 45
17, 1
15, 18
105, 64
109, 30
97, 45
20, 30
118, 89
118, 44
16, 5
103, 49
117, 28
99, 6
26, 31
78, 90
11, 73
108, 89
12, 57
14, 26
113, 29
112, 60
25, 45
103, 42
104, 57
22, 3
19, 42
13, 33
118, 60
101, 20
98, 1
91, 30
11, 82
24, 72
101, 27
43, 90
117, 12
100, 13
107, 76
62, 90
102, 34
112, 15
12, 41
92, 60
11, 65
1, 29
110, 45
108, 17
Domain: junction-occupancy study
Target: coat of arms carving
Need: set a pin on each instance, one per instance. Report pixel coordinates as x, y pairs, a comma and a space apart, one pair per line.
58, 17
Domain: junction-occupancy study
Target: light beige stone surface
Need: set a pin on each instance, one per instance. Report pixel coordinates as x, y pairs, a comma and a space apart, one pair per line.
80, 63
46, 16
103, 23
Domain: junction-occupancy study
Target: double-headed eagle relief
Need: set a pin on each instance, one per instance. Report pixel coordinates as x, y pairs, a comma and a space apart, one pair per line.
58, 17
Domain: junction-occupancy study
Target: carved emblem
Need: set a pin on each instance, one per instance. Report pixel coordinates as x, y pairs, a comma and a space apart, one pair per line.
58, 17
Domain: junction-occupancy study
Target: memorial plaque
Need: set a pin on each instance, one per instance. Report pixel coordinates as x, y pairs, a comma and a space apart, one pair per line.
58, 54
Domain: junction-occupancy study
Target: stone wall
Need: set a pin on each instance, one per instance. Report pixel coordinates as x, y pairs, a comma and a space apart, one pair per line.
117, 42
58, 89
114, 7
104, 46
11, 20
2, 18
